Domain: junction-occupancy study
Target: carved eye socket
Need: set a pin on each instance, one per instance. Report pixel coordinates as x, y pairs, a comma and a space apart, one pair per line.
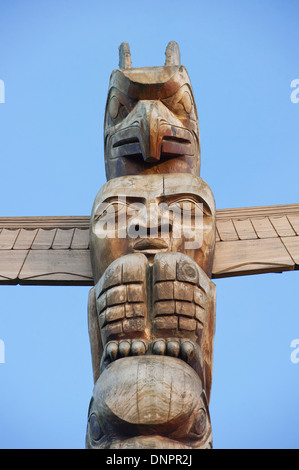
95, 427
117, 109
188, 207
181, 103
186, 102
110, 209
200, 423
114, 105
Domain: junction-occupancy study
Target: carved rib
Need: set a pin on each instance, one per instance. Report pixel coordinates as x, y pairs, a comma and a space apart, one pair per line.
54, 250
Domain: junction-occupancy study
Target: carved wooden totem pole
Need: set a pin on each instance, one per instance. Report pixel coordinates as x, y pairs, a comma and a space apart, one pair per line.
151, 311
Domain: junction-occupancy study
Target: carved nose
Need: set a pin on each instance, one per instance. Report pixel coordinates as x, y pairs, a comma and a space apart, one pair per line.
150, 222
150, 113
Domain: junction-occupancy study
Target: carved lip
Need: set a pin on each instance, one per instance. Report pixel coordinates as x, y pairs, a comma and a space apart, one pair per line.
176, 146
150, 243
168, 141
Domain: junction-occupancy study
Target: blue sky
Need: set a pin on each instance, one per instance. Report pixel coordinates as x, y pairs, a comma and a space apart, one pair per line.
56, 60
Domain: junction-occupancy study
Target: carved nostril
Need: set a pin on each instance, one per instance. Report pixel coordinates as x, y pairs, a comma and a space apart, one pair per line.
137, 230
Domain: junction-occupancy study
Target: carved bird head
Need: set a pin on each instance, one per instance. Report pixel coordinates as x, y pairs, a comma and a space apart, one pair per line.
151, 123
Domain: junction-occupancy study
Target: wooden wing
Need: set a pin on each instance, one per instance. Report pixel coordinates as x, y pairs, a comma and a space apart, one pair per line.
55, 251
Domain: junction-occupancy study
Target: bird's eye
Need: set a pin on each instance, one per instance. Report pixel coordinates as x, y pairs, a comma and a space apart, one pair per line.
114, 105
116, 109
95, 427
200, 423
181, 103
186, 102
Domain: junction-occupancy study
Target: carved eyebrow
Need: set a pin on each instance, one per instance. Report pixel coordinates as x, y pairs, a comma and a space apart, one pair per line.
121, 96
176, 97
122, 198
173, 198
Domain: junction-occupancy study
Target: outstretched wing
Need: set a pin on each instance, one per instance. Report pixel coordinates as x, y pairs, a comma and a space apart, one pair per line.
256, 240
55, 250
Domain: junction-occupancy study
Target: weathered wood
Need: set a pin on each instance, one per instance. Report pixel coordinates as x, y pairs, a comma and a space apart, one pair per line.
263, 227
294, 221
292, 245
80, 239
172, 54
44, 239
282, 226
245, 257
8, 238
226, 230
258, 211
151, 310
142, 399
25, 239
230, 259
151, 116
59, 267
46, 222
63, 239
244, 229
124, 56
11, 262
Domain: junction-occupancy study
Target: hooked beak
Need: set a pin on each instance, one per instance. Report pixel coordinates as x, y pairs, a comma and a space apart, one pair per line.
152, 132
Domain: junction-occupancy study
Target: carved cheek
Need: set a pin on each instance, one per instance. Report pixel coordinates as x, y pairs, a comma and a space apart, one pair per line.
186, 238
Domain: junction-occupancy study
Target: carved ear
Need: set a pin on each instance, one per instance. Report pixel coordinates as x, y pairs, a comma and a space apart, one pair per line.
124, 56
172, 53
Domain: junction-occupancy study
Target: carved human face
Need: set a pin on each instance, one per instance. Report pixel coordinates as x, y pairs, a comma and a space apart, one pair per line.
151, 123
151, 214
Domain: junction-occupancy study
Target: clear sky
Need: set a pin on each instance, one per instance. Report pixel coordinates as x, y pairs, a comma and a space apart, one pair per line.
56, 59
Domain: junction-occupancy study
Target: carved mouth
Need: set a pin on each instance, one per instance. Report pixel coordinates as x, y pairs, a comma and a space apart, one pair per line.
150, 244
181, 348
134, 146
175, 146
126, 147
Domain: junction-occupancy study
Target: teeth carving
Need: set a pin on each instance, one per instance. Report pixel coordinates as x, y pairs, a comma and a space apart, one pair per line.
181, 348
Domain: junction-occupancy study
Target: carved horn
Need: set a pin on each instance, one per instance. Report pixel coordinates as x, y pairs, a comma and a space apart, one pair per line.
172, 53
124, 56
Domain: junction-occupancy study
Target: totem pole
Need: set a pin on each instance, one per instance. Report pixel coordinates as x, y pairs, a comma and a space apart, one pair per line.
151, 312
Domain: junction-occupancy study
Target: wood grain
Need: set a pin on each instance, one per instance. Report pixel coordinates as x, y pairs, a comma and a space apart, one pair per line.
264, 239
